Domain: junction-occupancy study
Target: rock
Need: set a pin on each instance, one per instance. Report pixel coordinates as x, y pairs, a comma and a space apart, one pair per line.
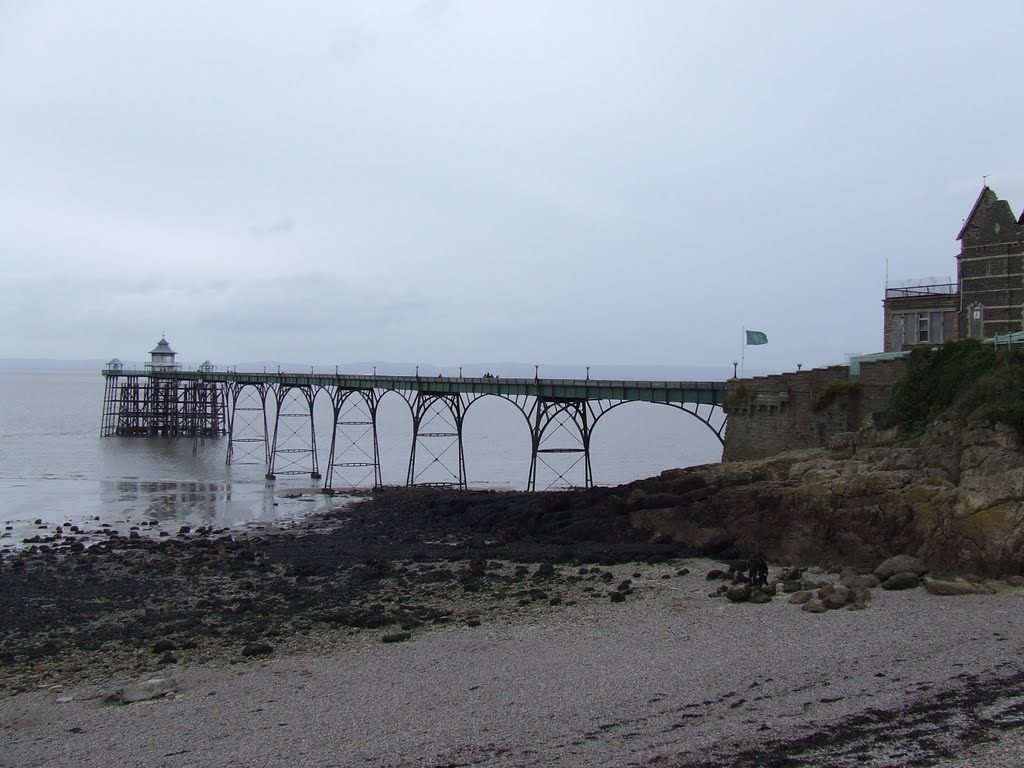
258, 649
799, 598
397, 637
868, 581
544, 571
900, 564
790, 574
617, 597
759, 597
163, 646
154, 688
952, 585
813, 606
738, 593
901, 580
1016, 581
837, 598
715, 573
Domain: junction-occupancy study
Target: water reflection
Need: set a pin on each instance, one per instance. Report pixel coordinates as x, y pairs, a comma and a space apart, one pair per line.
216, 504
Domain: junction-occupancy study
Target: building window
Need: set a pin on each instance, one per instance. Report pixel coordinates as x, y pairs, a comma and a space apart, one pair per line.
922, 327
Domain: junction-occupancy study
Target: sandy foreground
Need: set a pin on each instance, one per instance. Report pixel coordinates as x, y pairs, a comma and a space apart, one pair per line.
671, 677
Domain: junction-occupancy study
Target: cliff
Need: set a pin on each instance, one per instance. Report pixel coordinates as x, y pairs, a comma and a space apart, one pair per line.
953, 498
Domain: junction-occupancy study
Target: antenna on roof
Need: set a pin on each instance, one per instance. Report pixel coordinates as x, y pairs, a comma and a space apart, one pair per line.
984, 178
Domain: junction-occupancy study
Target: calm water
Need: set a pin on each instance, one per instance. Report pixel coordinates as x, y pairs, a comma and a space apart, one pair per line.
54, 466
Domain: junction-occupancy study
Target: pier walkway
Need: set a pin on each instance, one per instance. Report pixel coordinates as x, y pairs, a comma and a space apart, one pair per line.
268, 417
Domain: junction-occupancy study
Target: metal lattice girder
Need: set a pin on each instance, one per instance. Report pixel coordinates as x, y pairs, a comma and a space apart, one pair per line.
293, 450
355, 454
437, 419
247, 425
560, 431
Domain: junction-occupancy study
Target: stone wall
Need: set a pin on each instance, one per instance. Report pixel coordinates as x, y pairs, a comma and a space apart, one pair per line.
772, 414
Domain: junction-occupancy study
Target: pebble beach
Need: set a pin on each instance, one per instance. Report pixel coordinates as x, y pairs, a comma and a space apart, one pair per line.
669, 677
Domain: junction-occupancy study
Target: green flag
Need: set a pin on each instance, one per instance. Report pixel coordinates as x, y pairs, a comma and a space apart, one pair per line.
755, 338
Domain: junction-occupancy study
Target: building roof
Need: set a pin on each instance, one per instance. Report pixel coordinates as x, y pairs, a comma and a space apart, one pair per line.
986, 195
990, 221
162, 348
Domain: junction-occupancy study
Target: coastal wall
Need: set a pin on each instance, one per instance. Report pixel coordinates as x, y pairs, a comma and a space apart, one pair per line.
772, 414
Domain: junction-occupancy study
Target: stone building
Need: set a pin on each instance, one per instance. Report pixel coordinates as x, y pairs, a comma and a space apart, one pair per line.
987, 298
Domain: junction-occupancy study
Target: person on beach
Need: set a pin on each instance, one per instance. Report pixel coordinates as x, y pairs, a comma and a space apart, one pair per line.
762, 571
757, 571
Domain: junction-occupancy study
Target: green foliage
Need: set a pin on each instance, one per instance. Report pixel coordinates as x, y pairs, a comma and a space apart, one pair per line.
963, 380
832, 392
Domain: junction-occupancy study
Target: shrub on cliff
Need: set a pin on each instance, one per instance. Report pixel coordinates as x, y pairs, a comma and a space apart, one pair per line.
963, 380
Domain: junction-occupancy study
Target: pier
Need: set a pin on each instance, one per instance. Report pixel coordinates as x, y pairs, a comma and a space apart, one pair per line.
268, 418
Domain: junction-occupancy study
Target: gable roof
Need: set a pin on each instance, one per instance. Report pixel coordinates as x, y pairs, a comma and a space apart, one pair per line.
986, 195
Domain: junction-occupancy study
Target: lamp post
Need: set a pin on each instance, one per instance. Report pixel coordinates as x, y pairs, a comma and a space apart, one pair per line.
588, 373
734, 364
460, 371
536, 372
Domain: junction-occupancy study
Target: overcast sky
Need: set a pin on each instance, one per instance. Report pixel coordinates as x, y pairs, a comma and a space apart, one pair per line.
448, 181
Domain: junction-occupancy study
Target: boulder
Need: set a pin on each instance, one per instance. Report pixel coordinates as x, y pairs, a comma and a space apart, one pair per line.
950, 585
813, 606
900, 564
868, 581
799, 598
901, 580
738, 593
837, 598
258, 649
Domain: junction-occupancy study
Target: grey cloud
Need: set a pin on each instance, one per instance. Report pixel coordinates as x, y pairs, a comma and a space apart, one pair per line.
281, 226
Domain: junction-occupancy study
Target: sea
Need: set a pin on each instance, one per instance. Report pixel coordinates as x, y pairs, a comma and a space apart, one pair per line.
56, 469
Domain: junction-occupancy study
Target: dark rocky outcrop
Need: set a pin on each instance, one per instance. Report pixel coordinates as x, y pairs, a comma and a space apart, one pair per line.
954, 501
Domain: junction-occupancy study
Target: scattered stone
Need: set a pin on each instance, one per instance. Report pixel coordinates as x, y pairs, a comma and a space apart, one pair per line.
154, 688
617, 597
716, 573
163, 646
760, 597
813, 606
397, 637
799, 598
869, 581
257, 649
544, 571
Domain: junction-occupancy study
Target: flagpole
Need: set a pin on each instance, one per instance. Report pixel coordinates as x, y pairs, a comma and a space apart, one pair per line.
743, 348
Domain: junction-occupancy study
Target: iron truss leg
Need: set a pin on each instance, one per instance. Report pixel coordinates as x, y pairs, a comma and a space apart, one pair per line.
247, 425
291, 453
560, 432
355, 453
437, 432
